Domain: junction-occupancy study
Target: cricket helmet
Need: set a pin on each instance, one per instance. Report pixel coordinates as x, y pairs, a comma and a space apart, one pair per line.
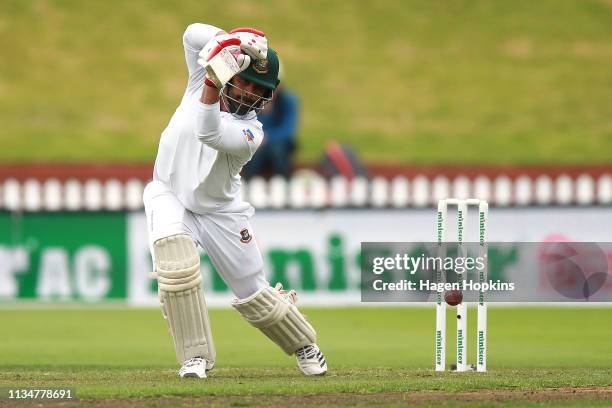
263, 72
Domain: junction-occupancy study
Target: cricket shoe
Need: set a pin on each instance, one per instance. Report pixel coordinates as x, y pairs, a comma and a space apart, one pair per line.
311, 360
194, 368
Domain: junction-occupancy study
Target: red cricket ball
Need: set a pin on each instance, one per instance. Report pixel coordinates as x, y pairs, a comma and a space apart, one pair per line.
453, 297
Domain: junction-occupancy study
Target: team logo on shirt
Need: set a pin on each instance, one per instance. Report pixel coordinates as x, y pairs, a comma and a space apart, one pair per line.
245, 236
248, 134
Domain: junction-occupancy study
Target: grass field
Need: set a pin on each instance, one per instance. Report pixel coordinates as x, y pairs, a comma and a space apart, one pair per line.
382, 356
461, 81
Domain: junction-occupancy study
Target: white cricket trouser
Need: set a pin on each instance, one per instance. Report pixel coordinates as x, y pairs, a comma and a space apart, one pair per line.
227, 237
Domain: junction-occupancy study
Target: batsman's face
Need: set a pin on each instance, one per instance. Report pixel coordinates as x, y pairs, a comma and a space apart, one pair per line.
253, 90
245, 94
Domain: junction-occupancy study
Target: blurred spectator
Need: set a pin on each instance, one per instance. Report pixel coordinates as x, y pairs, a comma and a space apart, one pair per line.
280, 120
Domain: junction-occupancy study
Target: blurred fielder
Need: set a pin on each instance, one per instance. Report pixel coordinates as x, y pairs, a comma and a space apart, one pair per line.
194, 199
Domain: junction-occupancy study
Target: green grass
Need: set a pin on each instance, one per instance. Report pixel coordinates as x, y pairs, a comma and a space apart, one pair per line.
382, 354
403, 81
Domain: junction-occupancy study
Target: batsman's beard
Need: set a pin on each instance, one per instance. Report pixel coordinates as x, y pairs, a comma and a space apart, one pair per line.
238, 107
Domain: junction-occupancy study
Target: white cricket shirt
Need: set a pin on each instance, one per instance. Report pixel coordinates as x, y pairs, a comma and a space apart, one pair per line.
202, 150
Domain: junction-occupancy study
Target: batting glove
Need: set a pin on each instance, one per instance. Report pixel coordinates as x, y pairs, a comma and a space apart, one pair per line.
222, 58
252, 41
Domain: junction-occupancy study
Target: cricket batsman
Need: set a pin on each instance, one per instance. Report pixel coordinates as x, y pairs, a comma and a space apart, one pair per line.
194, 199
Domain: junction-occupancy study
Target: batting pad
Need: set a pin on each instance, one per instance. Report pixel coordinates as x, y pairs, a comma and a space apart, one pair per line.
276, 315
182, 299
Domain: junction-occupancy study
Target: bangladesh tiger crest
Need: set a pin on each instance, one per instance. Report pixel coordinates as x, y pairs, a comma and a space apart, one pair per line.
261, 66
245, 236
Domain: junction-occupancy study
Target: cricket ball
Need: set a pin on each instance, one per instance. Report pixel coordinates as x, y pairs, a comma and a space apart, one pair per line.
453, 297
